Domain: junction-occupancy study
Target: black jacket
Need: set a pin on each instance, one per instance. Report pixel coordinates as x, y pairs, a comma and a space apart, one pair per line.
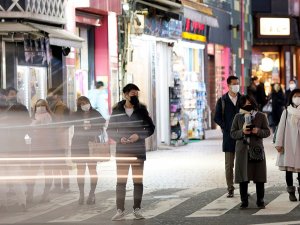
121, 125
81, 135
225, 120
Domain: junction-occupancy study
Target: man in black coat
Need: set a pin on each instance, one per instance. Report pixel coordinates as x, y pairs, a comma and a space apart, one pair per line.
226, 109
129, 126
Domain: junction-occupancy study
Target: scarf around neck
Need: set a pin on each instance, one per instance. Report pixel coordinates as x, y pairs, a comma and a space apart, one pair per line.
295, 112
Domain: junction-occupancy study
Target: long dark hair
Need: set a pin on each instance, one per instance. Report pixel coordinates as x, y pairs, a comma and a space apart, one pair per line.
290, 101
243, 100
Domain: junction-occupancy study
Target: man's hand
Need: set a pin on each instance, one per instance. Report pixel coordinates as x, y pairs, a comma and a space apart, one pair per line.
133, 138
279, 149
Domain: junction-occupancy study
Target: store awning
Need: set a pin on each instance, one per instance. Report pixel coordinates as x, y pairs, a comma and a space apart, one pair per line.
8, 27
58, 36
199, 13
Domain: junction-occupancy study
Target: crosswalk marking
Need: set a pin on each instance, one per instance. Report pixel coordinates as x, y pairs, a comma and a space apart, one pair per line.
280, 205
220, 206
279, 223
39, 209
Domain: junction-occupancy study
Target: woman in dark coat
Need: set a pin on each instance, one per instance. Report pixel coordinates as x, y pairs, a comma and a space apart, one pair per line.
87, 125
278, 104
249, 127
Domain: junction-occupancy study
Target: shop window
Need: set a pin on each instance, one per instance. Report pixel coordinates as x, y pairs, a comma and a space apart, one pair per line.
266, 66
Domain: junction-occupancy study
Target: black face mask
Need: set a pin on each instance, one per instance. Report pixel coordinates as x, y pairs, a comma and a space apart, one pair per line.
134, 100
248, 108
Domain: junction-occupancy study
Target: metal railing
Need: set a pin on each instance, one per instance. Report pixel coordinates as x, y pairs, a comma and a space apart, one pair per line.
51, 11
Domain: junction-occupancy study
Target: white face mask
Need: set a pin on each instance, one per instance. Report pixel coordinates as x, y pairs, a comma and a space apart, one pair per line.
41, 109
292, 86
235, 88
296, 100
86, 107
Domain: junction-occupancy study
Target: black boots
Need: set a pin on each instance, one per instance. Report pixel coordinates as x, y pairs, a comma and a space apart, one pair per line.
244, 195
291, 190
260, 193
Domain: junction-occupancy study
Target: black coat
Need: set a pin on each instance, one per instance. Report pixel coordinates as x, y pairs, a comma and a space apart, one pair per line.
82, 136
225, 121
278, 104
121, 125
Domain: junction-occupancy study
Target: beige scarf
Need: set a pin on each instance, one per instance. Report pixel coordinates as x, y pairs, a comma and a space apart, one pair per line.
295, 112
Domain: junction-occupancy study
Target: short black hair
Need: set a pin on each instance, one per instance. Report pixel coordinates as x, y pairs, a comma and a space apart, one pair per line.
243, 99
99, 84
230, 78
130, 87
11, 89
290, 100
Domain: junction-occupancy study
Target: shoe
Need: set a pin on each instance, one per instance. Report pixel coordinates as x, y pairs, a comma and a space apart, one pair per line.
91, 199
244, 205
137, 214
261, 205
230, 194
81, 200
119, 215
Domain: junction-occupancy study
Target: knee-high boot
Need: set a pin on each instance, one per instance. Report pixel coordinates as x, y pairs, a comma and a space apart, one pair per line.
244, 194
260, 193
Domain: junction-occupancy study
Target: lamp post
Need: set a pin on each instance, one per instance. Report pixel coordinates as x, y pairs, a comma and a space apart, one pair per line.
242, 47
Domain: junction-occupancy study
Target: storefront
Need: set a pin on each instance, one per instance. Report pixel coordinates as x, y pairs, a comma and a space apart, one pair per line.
275, 53
31, 58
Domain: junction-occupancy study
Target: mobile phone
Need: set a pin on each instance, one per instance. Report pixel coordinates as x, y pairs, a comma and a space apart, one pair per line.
250, 126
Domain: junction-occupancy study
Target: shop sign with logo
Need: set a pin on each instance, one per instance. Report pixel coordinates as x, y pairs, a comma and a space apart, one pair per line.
194, 30
163, 28
274, 26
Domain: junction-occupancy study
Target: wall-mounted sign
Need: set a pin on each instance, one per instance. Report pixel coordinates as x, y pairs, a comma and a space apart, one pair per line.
194, 30
274, 26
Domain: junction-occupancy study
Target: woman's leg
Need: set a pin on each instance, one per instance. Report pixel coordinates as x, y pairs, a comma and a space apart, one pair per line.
290, 187
94, 180
80, 181
260, 193
244, 194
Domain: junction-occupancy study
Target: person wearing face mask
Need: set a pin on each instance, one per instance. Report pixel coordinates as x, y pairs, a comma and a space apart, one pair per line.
278, 104
87, 123
41, 146
226, 108
292, 86
129, 125
249, 127
61, 115
288, 143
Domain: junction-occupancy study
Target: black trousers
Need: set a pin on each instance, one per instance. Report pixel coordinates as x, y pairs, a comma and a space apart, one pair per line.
122, 176
260, 192
289, 178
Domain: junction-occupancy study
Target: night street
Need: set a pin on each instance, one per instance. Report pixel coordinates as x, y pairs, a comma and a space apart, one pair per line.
183, 185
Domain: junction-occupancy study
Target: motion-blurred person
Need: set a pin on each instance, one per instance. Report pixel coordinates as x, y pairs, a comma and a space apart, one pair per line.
42, 145
15, 122
292, 86
261, 97
249, 127
288, 143
278, 104
129, 126
87, 124
226, 109
252, 88
61, 115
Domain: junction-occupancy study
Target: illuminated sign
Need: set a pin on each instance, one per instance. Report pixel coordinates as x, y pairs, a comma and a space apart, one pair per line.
272, 26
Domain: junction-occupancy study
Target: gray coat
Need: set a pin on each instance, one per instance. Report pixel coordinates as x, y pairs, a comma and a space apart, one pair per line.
248, 170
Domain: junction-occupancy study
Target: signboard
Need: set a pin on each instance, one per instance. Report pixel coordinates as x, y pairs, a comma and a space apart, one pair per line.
274, 26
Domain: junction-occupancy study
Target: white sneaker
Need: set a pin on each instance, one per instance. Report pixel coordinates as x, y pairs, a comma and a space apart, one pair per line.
119, 215
137, 214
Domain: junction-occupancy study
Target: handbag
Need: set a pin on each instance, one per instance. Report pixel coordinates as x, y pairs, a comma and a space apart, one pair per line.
267, 107
256, 153
99, 148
